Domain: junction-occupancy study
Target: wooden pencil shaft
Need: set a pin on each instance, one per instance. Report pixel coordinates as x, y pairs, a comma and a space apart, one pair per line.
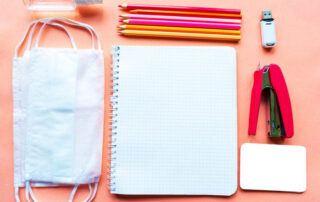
179, 29
180, 18
183, 24
180, 35
179, 8
186, 13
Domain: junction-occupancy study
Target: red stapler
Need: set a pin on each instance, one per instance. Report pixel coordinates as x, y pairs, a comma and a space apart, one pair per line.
270, 78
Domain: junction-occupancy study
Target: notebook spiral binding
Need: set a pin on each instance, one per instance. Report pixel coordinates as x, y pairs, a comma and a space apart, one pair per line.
113, 115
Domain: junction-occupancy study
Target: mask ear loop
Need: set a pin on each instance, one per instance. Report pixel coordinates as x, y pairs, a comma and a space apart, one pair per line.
61, 19
94, 192
58, 25
73, 193
16, 194
29, 192
24, 37
79, 24
90, 188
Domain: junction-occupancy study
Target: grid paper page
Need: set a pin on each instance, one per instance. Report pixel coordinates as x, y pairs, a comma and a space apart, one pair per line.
177, 121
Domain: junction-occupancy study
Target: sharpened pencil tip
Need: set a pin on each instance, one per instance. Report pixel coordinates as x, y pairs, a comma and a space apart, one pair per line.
119, 6
120, 20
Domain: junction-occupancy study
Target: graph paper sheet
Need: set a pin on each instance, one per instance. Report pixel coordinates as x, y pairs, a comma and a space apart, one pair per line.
175, 121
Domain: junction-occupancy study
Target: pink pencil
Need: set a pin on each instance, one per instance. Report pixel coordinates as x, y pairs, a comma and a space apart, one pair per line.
179, 8
182, 24
179, 18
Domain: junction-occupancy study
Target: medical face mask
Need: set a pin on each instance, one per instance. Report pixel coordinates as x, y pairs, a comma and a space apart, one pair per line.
58, 96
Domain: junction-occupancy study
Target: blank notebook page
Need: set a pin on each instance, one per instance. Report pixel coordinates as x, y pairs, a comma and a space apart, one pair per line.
175, 121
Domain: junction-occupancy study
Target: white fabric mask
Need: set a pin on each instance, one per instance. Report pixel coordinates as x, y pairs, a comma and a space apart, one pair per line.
58, 96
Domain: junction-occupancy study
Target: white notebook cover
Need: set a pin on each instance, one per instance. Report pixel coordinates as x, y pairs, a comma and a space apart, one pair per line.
174, 121
272, 167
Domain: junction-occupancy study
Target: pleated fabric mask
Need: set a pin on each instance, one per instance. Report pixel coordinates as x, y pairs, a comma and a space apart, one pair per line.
58, 96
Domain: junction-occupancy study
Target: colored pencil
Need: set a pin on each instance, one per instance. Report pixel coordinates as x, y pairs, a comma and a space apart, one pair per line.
186, 13
141, 33
180, 18
182, 24
179, 8
180, 29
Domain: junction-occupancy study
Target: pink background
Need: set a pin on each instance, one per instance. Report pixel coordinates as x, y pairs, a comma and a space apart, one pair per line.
297, 52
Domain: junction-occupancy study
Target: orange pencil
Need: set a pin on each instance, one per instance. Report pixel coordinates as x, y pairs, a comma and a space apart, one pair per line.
181, 35
180, 29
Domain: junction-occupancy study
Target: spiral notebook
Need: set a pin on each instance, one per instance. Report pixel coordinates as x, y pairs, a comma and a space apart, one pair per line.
174, 121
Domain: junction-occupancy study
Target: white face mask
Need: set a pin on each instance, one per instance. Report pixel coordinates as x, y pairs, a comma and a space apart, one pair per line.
58, 113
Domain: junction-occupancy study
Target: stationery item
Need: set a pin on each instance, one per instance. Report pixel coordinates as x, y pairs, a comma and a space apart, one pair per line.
268, 31
58, 111
183, 35
281, 120
186, 13
174, 121
270, 167
180, 18
179, 29
179, 8
182, 24
57, 4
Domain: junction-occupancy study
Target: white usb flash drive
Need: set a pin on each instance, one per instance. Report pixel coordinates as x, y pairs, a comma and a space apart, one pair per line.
268, 31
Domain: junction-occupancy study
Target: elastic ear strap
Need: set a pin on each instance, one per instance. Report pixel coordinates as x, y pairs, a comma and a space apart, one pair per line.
58, 25
90, 193
79, 24
31, 35
29, 192
94, 192
24, 37
33, 28
61, 19
88, 27
73, 193
16, 194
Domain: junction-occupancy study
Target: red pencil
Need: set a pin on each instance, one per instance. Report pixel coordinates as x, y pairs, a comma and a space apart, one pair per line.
180, 18
179, 8
187, 13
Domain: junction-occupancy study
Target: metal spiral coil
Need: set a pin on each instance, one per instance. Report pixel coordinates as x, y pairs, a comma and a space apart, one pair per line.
112, 116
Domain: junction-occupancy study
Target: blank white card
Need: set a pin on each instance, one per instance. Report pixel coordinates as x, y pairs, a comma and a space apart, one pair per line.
272, 167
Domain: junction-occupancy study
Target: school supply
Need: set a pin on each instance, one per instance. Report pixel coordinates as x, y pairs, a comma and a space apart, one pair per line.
178, 8
184, 35
270, 167
58, 112
180, 18
57, 4
179, 29
187, 13
165, 24
182, 24
271, 78
174, 121
268, 31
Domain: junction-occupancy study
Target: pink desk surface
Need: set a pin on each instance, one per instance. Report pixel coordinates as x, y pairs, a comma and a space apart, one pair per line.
297, 52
